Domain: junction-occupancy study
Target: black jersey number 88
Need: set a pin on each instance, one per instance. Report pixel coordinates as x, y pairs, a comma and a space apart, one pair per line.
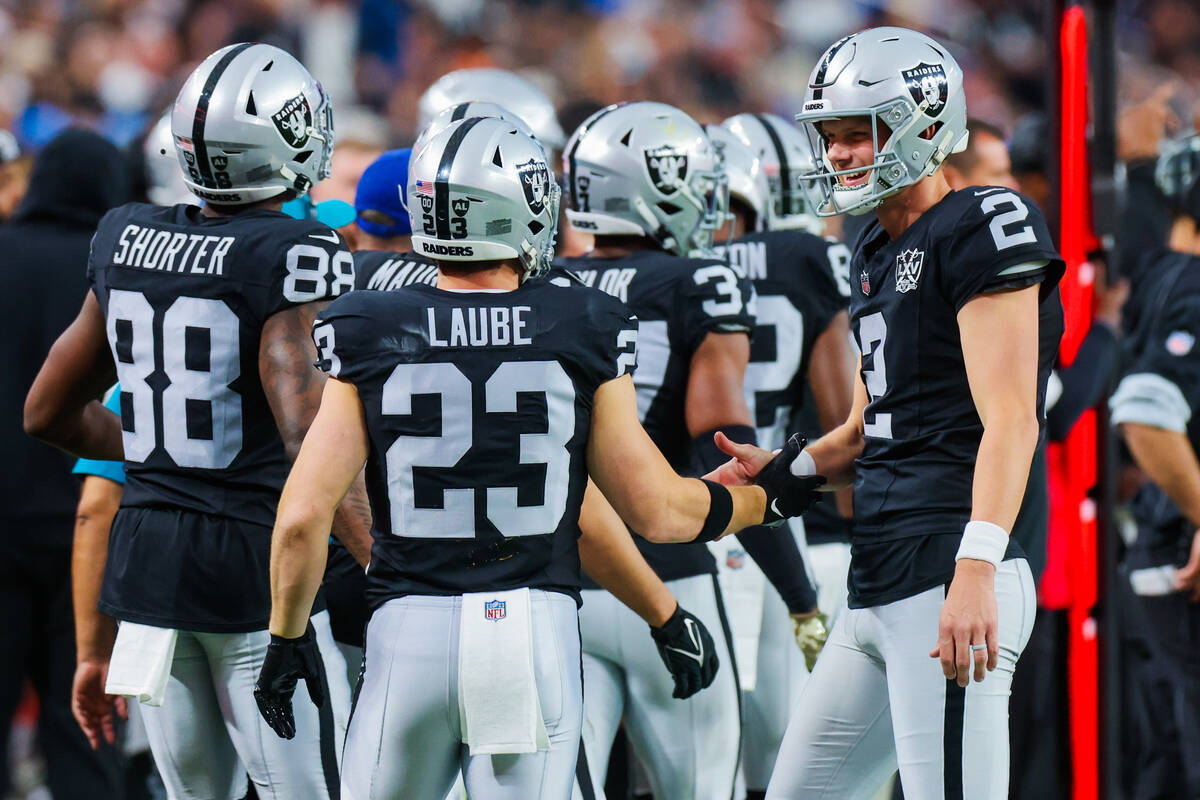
456, 516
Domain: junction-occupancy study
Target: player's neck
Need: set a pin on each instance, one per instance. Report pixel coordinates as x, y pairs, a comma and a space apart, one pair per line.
455, 276
619, 246
1183, 236
901, 210
270, 204
391, 244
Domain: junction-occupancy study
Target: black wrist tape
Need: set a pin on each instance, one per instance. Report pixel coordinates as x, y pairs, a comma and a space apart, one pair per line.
720, 511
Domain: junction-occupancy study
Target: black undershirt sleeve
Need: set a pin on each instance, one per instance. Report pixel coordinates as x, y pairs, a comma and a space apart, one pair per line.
1085, 382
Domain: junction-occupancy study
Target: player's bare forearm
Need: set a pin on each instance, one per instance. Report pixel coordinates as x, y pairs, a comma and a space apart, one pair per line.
832, 378
61, 407
835, 452
330, 459
716, 374
291, 383
643, 488
99, 500
352, 521
612, 560
1168, 459
999, 334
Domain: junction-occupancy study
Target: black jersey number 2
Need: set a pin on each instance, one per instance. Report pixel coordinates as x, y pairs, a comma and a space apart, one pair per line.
456, 517
872, 335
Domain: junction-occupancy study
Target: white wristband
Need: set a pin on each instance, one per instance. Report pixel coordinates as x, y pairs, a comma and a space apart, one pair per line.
983, 540
803, 465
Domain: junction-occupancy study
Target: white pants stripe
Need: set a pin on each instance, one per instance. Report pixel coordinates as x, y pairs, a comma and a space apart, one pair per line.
689, 748
405, 739
876, 700
208, 735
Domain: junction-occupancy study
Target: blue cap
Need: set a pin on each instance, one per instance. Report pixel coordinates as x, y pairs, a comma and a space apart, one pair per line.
383, 187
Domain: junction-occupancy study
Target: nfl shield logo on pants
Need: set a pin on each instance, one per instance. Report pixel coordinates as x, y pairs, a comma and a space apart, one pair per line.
494, 610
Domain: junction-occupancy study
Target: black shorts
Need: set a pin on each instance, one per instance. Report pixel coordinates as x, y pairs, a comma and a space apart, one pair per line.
187, 570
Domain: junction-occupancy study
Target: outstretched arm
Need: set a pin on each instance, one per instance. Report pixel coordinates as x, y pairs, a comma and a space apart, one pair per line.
329, 461
293, 387
999, 334
61, 408
611, 559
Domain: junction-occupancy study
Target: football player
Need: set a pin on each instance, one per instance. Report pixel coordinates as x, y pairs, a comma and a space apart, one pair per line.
946, 417
646, 180
607, 552
801, 336
1154, 406
479, 406
206, 312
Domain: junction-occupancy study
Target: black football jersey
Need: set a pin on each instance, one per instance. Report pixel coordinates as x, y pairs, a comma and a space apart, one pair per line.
185, 297
912, 492
1162, 388
478, 409
678, 302
380, 269
794, 274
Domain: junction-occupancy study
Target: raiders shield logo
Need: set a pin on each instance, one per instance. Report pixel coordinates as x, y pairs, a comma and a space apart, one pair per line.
220, 163
293, 121
460, 206
535, 180
927, 84
667, 167
426, 203
908, 269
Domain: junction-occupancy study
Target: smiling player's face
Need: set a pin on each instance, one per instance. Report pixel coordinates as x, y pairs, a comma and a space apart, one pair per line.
849, 144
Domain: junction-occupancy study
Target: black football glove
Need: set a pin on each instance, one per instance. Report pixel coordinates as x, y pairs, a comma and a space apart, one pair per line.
688, 651
787, 495
287, 661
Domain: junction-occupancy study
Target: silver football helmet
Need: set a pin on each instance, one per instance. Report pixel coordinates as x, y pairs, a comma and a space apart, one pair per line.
250, 123
482, 191
785, 156
645, 169
466, 110
743, 172
518, 95
164, 181
905, 83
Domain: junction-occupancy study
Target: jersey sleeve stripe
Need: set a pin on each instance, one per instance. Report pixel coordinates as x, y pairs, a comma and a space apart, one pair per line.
1025, 266
1150, 399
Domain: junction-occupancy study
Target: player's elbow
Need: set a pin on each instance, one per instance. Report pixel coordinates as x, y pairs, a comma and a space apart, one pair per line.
40, 419
1019, 426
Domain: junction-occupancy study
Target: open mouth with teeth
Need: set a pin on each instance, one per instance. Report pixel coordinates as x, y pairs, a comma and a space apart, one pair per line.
853, 180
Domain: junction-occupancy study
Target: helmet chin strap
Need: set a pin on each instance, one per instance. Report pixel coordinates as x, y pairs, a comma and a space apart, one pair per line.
657, 231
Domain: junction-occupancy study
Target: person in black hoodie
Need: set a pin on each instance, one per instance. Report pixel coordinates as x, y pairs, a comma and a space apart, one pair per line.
77, 177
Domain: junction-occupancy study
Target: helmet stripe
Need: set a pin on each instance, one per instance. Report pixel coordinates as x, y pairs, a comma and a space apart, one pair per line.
441, 184
785, 171
818, 84
459, 112
583, 129
201, 117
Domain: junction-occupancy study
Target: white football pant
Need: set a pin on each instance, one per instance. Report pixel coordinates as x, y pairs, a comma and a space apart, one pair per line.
689, 748
405, 738
876, 700
208, 735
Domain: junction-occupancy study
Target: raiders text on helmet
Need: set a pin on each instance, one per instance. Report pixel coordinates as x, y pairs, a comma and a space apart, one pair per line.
744, 174
645, 169
481, 190
905, 83
517, 94
785, 156
250, 123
